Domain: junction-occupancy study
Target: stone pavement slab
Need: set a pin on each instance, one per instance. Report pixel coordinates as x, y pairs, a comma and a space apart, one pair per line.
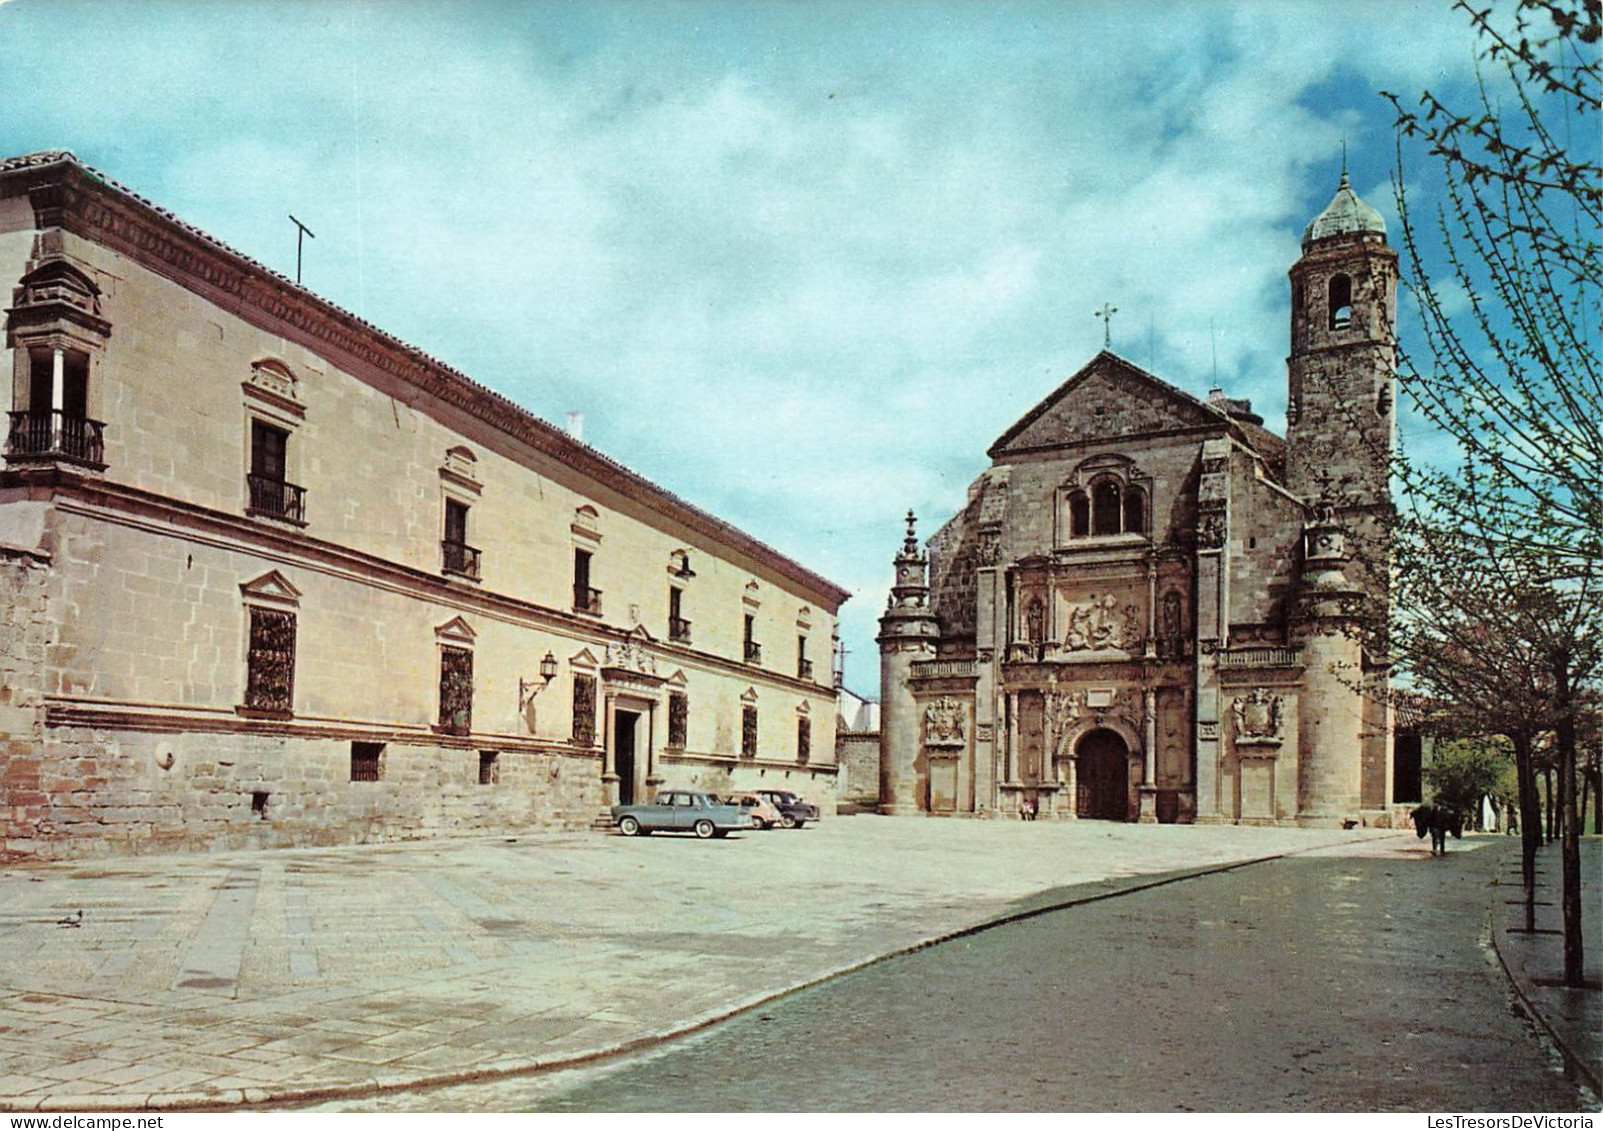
269, 977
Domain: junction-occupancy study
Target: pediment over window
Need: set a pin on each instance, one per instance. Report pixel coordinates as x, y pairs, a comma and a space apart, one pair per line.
583, 658
677, 680
273, 385
587, 523
456, 631
271, 588
461, 467
749, 696
54, 295
804, 708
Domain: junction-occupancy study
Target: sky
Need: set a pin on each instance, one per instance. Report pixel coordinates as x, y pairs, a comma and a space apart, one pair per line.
798, 262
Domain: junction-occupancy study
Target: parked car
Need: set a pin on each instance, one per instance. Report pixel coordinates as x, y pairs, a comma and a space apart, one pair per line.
793, 811
681, 811
764, 815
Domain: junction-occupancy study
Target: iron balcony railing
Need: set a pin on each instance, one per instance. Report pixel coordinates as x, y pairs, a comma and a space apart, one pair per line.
53, 434
461, 559
586, 600
754, 652
276, 498
679, 630
804, 669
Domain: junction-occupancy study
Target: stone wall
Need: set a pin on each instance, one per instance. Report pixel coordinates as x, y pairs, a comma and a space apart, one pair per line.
26, 783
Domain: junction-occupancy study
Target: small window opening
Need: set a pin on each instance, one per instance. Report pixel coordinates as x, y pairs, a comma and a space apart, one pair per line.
1105, 506
1079, 515
489, 767
748, 732
367, 761
258, 804
1135, 511
1341, 302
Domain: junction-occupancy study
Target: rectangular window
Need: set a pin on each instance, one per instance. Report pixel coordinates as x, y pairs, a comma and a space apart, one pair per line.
367, 761
270, 491
459, 557
585, 599
753, 650
270, 661
267, 450
748, 732
804, 739
678, 719
489, 767
456, 690
804, 666
678, 626
584, 710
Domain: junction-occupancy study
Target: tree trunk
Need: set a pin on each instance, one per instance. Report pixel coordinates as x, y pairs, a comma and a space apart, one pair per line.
1570, 827
1530, 822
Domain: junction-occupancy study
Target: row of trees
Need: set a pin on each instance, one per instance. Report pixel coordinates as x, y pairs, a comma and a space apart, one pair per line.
1499, 557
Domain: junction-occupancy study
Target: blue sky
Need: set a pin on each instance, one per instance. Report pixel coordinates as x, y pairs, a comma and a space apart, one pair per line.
798, 262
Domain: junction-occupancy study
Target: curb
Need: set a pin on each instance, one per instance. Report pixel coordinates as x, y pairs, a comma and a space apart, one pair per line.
1577, 1066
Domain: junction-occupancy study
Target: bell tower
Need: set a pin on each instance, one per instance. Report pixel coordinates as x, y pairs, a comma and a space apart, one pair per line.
1340, 405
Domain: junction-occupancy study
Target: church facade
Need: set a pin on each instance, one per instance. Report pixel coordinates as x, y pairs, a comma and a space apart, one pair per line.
269, 576
1151, 607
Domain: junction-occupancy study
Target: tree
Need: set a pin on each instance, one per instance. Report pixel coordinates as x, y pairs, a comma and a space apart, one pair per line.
1510, 368
1465, 770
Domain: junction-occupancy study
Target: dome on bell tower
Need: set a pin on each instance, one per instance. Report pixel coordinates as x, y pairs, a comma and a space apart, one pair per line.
1344, 215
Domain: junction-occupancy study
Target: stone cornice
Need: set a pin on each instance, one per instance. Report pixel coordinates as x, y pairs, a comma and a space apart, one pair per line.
72, 195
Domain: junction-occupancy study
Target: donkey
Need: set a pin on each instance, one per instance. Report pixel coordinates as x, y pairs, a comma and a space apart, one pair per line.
1438, 820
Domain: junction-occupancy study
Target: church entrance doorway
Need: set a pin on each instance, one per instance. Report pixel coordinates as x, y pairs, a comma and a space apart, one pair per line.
1103, 777
623, 754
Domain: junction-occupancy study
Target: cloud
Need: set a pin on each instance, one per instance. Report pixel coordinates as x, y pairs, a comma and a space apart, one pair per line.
800, 263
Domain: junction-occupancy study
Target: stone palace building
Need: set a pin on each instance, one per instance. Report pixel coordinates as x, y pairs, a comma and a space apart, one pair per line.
269, 576
1151, 607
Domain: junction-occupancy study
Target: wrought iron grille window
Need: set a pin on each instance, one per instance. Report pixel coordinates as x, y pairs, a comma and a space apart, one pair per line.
678, 719
456, 690
748, 732
489, 767
367, 761
804, 740
584, 710
270, 661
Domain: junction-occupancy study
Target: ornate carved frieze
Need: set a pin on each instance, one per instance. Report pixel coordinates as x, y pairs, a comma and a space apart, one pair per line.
945, 723
1211, 526
1258, 718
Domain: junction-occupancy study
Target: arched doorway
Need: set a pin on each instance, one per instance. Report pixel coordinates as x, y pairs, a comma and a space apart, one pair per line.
1102, 775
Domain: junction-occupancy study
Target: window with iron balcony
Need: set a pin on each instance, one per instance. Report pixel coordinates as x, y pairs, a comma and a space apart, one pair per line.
271, 494
753, 650
459, 558
55, 330
678, 626
585, 599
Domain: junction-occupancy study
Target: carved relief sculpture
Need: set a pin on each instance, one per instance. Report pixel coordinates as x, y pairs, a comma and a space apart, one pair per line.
1258, 718
944, 723
1100, 624
1063, 710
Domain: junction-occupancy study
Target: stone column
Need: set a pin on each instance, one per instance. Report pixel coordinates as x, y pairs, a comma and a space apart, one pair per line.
609, 765
1149, 741
653, 778
1330, 712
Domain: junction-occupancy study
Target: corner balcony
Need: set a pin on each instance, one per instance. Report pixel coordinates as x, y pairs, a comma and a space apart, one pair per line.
54, 435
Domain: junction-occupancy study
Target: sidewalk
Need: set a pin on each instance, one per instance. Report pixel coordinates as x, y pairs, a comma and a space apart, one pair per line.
272, 977
1572, 1018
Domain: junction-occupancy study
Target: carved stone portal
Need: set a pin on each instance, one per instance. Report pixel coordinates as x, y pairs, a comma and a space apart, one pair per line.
944, 722
1259, 719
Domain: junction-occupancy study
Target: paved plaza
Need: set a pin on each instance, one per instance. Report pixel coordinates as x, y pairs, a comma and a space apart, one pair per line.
281, 977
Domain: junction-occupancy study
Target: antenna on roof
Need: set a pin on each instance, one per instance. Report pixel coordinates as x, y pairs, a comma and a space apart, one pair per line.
301, 231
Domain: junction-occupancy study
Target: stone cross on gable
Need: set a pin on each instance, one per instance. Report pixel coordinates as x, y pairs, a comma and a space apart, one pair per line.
1106, 314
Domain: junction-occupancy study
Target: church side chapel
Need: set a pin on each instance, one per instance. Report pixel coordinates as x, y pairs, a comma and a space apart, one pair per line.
1152, 608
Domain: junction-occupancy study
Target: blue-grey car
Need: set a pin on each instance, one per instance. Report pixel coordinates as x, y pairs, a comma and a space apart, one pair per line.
681, 811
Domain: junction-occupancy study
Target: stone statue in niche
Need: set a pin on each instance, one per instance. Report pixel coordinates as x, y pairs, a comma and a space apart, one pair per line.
944, 723
1035, 621
1258, 717
1170, 623
1099, 624
1211, 530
